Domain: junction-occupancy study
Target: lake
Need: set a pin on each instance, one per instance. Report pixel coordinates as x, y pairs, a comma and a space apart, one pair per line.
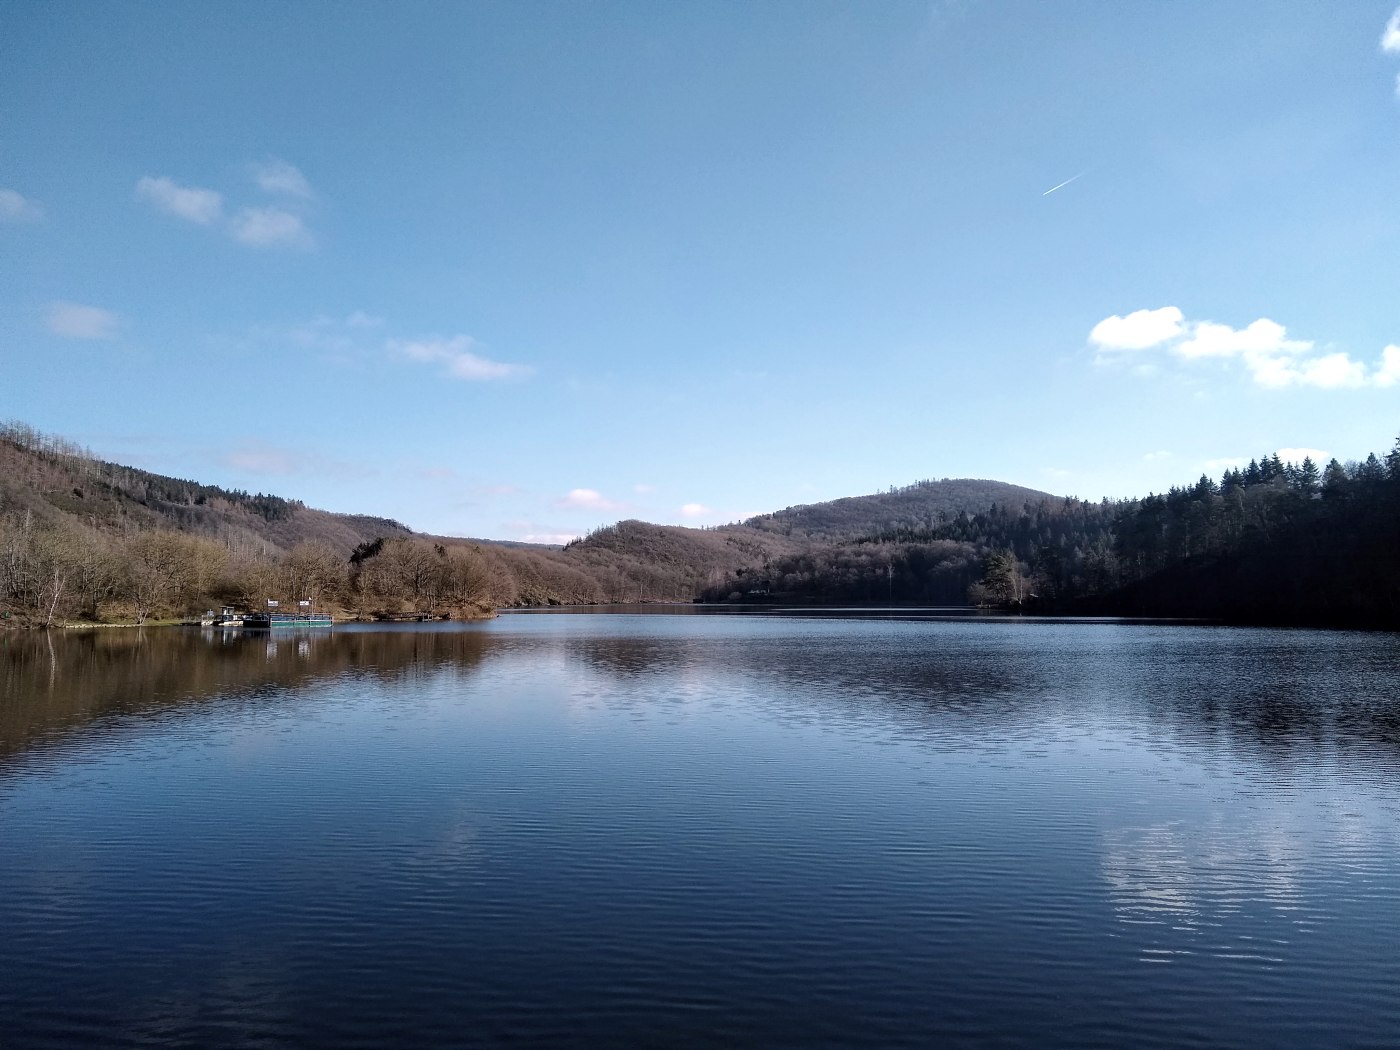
711, 830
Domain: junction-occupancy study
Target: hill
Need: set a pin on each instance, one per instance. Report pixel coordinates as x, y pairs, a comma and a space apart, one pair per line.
81, 537
674, 562
53, 482
90, 538
921, 505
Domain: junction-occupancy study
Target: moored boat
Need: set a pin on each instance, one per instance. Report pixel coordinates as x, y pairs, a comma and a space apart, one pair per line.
280, 621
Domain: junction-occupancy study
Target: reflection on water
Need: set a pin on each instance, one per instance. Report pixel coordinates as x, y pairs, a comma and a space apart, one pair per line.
664, 829
55, 682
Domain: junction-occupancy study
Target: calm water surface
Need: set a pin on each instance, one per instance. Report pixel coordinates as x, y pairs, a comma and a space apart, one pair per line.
701, 830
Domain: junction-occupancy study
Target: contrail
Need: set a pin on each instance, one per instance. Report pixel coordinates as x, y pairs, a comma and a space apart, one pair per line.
1062, 185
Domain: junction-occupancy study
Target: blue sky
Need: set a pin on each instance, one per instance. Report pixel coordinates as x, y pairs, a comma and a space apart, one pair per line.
520, 269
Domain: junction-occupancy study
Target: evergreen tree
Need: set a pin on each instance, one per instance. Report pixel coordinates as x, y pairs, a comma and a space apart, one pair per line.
1335, 481
1309, 477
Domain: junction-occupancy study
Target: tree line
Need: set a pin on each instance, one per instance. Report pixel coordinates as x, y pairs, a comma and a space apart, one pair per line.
85, 540
52, 575
1270, 541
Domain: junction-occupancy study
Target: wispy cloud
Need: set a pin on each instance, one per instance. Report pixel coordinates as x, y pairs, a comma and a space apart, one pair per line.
1156, 457
192, 203
643, 489
1272, 359
457, 358
258, 458
587, 499
256, 227
269, 228
359, 340
274, 175
335, 335
695, 510
1390, 41
436, 473
76, 321
15, 207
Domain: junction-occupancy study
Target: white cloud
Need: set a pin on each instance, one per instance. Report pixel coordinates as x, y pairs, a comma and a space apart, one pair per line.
76, 321
269, 228
1388, 371
533, 532
1225, 463
1297, 455
1328, 373
277, 176
643, 489
1331, 371
1272, 359
1156, 457
14, 207
587, 499
457, 358
360, 319
187, 202
1138, 331
1390, 39
1263, 336
695, 510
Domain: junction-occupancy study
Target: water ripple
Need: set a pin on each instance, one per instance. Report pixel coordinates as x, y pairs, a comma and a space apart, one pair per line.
581, 831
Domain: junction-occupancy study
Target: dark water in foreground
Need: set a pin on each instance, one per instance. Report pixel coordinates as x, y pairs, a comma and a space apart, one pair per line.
693, 830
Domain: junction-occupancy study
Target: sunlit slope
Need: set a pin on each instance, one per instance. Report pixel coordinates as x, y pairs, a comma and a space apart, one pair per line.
50, 486
55, 482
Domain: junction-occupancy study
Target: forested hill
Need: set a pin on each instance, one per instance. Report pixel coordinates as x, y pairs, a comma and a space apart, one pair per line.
1272, 542
676, 562
83, 539
920, 505
52, 482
